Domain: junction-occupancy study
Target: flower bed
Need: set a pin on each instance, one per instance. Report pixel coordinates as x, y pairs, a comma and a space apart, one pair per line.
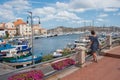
29, 75
59, 65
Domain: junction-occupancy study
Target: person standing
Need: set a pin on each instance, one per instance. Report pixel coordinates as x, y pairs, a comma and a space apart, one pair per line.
94, 45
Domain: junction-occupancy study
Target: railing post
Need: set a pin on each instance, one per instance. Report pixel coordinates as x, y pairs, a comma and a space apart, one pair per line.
109, 40
80, 56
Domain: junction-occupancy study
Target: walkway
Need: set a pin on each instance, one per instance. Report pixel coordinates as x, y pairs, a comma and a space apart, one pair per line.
107, 68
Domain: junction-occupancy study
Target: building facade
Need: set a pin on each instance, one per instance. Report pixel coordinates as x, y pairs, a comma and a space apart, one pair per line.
22, 28
38, 30
10, 28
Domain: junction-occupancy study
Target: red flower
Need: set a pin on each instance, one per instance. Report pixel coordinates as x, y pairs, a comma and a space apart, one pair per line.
29, 75
59, 65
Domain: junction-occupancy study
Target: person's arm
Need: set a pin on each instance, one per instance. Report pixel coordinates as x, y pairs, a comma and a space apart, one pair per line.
91, 41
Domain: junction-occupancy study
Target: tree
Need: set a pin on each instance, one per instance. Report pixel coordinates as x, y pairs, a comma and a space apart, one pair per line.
7, 34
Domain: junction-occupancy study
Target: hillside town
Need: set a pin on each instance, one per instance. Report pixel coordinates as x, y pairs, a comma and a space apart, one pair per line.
20, 28
23, 29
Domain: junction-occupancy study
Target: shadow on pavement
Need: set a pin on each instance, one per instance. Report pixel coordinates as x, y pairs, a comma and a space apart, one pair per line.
112, 55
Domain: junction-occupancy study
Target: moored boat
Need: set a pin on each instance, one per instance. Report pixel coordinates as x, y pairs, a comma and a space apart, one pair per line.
27, 59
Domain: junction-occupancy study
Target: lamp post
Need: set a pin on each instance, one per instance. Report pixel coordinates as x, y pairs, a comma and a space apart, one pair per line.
31, 17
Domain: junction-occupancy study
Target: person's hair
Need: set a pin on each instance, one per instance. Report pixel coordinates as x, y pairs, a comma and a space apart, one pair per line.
92, 32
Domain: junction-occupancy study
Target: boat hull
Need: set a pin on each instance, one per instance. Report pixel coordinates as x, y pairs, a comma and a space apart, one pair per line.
27, 59
8, 59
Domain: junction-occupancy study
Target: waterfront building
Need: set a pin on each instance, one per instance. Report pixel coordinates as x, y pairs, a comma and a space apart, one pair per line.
22, 28
38, 30
10, 28
43, 31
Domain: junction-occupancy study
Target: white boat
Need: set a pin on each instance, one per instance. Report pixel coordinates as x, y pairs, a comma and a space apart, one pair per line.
82, 41
57, 53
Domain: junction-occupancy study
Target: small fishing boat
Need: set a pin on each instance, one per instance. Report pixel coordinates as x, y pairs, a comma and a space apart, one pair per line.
27, 59
82, 41
11, 52
57, 53
18, 52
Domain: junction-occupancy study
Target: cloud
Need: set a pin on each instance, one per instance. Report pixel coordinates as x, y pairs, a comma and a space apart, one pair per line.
67, 15
76, 4
103, 15
100, 19
10, 9
62, 5
48, 17
82, 6
17, 5
6, 15
111, 9
69, 6
94, 4
78, 10
44, 11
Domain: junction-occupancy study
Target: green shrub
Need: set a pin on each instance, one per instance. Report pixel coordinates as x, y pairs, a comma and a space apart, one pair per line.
66, 51
47, 57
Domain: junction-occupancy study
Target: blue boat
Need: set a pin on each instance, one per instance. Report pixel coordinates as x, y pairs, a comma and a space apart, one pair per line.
27, 59
18, 54
6, 46
22, 48
11, 52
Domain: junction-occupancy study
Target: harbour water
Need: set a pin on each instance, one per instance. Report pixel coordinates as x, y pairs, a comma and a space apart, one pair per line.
49, 45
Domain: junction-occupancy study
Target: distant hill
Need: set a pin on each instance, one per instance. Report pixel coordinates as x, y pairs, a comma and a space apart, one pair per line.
62, 29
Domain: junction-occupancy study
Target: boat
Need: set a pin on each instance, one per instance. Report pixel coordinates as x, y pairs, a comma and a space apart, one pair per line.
2, 54
82, 41
24, 61
20, 51
35, 58
57, 53
11, 52
18, 41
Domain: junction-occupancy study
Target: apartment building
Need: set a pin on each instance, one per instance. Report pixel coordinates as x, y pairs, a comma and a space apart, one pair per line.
22, 28
10, 28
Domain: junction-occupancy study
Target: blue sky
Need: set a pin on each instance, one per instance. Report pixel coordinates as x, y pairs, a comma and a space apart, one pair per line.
69, 13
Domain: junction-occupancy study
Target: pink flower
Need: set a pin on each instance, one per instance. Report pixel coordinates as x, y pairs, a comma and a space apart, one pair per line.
28, 75
59, 65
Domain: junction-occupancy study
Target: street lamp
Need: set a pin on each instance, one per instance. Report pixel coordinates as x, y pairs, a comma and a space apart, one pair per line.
31, 17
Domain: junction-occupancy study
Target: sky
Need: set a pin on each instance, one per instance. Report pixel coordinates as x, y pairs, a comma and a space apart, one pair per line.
68, 13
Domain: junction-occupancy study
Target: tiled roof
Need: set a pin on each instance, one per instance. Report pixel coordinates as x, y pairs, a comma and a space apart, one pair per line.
18, 22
